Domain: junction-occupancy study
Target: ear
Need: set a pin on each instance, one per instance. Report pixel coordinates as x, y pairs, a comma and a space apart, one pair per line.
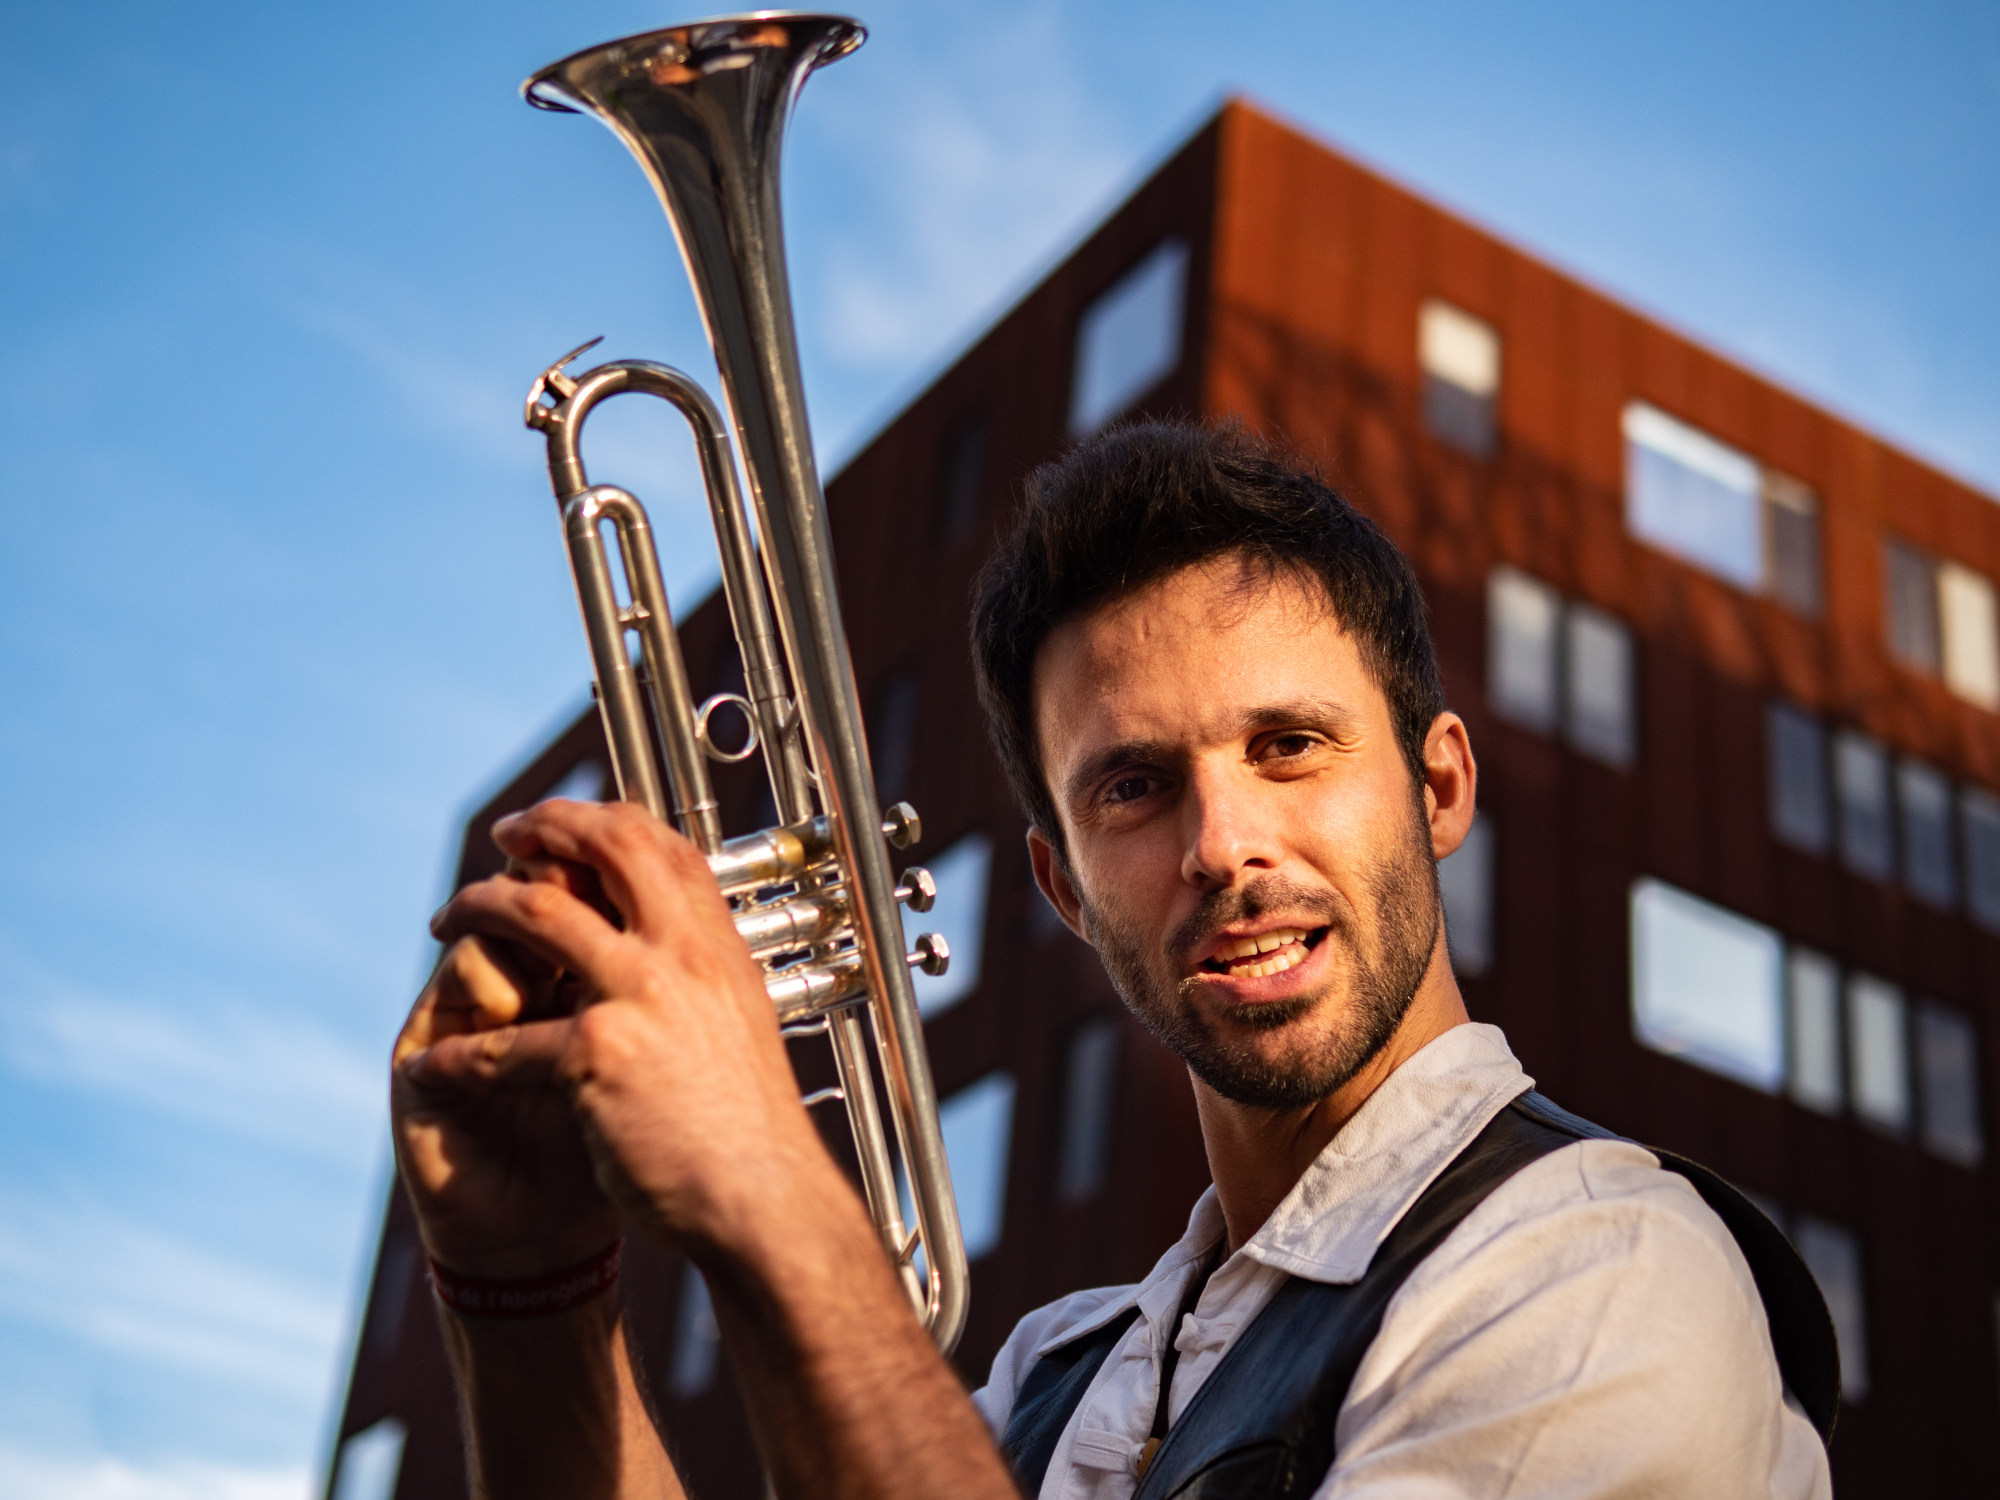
1055, 882
1451, 783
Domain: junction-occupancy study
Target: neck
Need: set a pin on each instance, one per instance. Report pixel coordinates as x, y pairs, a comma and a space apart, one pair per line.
1257, 1155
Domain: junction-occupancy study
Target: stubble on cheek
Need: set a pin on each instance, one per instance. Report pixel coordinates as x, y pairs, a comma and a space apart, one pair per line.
1336, 1028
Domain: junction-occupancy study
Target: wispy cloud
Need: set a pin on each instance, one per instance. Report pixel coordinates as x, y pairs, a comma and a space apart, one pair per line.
477, 408
973, 174
27, 1475
80, 1269
223, 1063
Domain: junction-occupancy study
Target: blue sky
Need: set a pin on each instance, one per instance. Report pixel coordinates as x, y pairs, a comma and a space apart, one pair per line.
282, 594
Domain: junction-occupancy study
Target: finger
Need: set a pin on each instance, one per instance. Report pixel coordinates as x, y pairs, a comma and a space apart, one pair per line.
509, 1055
656, 878
548, 921
581, 881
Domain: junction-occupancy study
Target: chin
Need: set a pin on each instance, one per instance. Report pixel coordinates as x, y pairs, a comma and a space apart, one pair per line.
1285, 1053
1266, 1017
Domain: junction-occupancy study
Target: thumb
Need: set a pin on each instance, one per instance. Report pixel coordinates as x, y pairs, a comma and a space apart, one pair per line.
471, 990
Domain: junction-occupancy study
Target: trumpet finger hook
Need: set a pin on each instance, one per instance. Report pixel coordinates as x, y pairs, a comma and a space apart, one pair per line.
553, 383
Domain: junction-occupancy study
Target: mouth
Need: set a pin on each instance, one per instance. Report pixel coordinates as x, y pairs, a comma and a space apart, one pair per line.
1263, 953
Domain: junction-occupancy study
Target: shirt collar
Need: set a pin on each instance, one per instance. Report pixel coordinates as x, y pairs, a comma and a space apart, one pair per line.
1409, 1130
1338, 1213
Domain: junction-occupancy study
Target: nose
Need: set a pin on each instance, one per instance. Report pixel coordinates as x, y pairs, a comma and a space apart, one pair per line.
1232, 827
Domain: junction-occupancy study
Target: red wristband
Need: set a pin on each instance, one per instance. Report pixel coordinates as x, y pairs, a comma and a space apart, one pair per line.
531, 1296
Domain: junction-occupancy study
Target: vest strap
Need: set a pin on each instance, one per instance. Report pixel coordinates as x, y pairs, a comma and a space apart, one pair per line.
1262, 1424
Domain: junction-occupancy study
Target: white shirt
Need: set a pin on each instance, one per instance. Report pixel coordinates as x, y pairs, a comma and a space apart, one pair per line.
1591, 1329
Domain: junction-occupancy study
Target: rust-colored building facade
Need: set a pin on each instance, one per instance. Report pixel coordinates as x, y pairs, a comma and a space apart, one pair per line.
1731, 669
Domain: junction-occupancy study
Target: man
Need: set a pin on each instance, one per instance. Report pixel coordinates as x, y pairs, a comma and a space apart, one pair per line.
1213, 689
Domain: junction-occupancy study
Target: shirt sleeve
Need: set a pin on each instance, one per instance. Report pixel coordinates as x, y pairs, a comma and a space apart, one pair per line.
1591, 1329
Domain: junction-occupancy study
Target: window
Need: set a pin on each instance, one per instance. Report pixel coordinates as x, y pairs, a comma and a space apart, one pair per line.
1878, 1053
1090, 1096
1970, 635
1861, 785
1129, 339
1923, 798
1465, 877
978, 1124
1792, 516
1910, 583
1719, 509
1720, 991
959, 917
370, 1462
1942, 620
1707, 985
1598, 675
1523, 617
1460, 355
1795, 761
959, 484
1833, 1255
1979, 823
697, 1339
1691, 496
1948, 1084
1814, 1076
1549, 662
892, 734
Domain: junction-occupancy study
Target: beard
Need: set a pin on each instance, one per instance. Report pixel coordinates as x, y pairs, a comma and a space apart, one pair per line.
1381, 958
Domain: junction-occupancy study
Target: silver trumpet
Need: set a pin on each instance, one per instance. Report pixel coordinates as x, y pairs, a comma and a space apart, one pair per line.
703, 107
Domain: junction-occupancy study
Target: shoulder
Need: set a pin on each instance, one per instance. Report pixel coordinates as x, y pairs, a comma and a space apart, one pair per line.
1047, 1327
1600, 1220
1594, 1292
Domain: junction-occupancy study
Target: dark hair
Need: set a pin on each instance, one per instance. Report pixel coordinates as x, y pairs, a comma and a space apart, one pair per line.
1138, 502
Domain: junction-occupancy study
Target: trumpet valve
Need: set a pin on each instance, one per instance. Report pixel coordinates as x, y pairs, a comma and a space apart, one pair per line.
901, 826
918, 890
933, 954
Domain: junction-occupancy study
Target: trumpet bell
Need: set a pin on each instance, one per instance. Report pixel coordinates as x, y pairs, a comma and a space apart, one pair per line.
703, 107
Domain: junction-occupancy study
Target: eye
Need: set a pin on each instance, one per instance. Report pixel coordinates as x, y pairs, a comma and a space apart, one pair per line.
1128, 789
1290, 745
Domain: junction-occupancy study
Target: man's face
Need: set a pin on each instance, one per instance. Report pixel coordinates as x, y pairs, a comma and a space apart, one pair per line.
1248, 850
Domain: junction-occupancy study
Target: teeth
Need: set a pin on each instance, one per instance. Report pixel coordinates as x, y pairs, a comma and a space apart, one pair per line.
1277, 964
1263, 943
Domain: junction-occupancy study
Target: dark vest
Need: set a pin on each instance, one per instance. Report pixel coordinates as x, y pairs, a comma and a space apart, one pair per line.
1262, 1423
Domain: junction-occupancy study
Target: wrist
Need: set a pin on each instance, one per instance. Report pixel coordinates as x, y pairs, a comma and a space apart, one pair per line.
544, 1294
809, 1246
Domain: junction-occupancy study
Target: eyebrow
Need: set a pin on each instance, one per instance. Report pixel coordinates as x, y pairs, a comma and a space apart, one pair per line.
1325, 714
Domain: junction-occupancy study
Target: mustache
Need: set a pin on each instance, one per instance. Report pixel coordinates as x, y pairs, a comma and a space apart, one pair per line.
1246, 903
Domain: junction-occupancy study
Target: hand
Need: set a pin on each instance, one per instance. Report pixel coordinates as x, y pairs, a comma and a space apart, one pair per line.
687, 1103
679, 1078
487, 1143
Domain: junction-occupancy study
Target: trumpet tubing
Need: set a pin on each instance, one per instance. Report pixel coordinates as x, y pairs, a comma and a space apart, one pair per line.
703, 108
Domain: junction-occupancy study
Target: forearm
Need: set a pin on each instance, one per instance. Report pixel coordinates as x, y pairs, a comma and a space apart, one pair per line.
551, 1407
847, 1394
